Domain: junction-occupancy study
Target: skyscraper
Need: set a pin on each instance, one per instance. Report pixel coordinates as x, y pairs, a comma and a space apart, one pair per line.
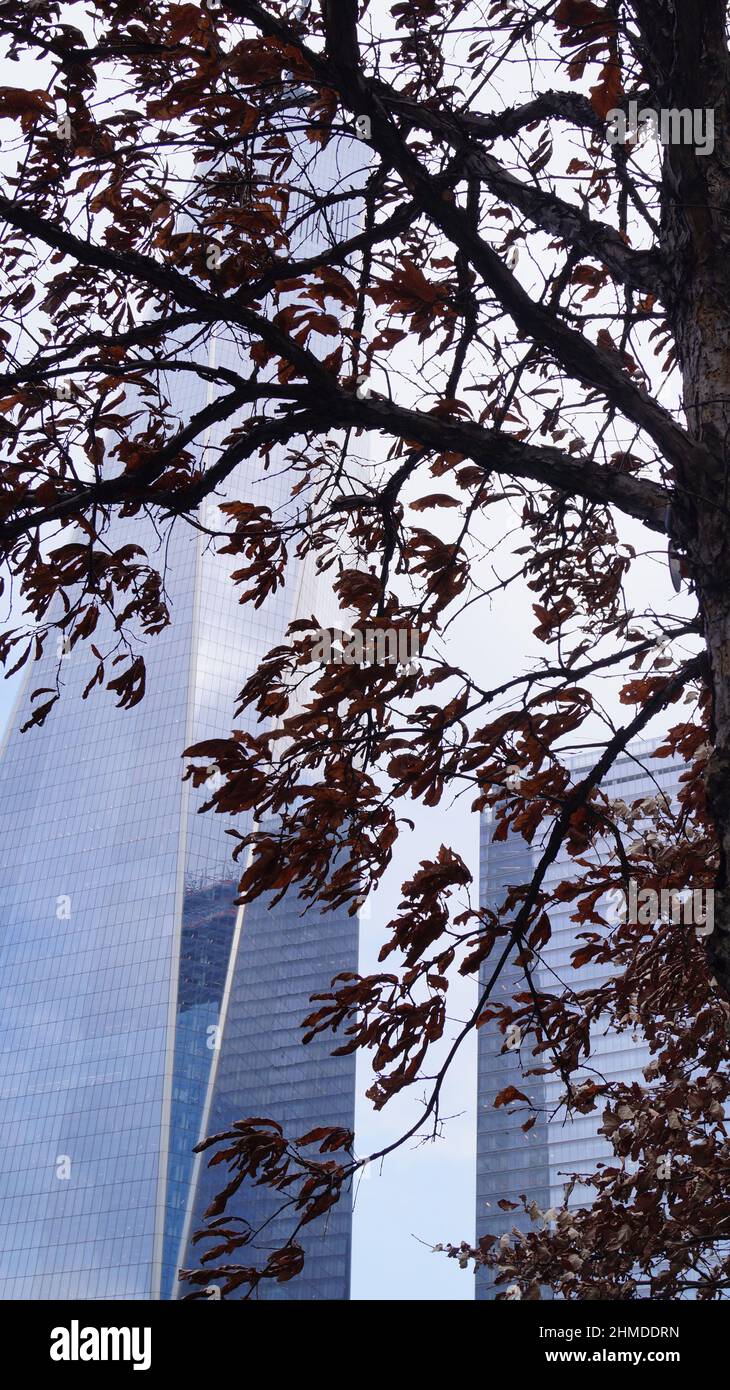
139, 1007
510, 1162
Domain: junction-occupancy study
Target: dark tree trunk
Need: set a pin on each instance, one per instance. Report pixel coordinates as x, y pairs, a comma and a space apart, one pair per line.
685, 55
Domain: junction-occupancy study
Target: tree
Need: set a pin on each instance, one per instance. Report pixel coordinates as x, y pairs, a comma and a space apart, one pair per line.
527, 308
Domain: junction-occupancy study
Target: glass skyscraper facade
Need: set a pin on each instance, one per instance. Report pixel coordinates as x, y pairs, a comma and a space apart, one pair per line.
140, 1008
510, 1162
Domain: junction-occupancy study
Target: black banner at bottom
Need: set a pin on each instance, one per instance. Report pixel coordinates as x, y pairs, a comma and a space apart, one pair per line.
154, 1340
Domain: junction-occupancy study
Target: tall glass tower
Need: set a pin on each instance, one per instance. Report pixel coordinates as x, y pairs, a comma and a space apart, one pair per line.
510, 1162
139, 1007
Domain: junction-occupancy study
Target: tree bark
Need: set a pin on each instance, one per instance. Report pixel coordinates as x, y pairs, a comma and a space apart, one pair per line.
695, 243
